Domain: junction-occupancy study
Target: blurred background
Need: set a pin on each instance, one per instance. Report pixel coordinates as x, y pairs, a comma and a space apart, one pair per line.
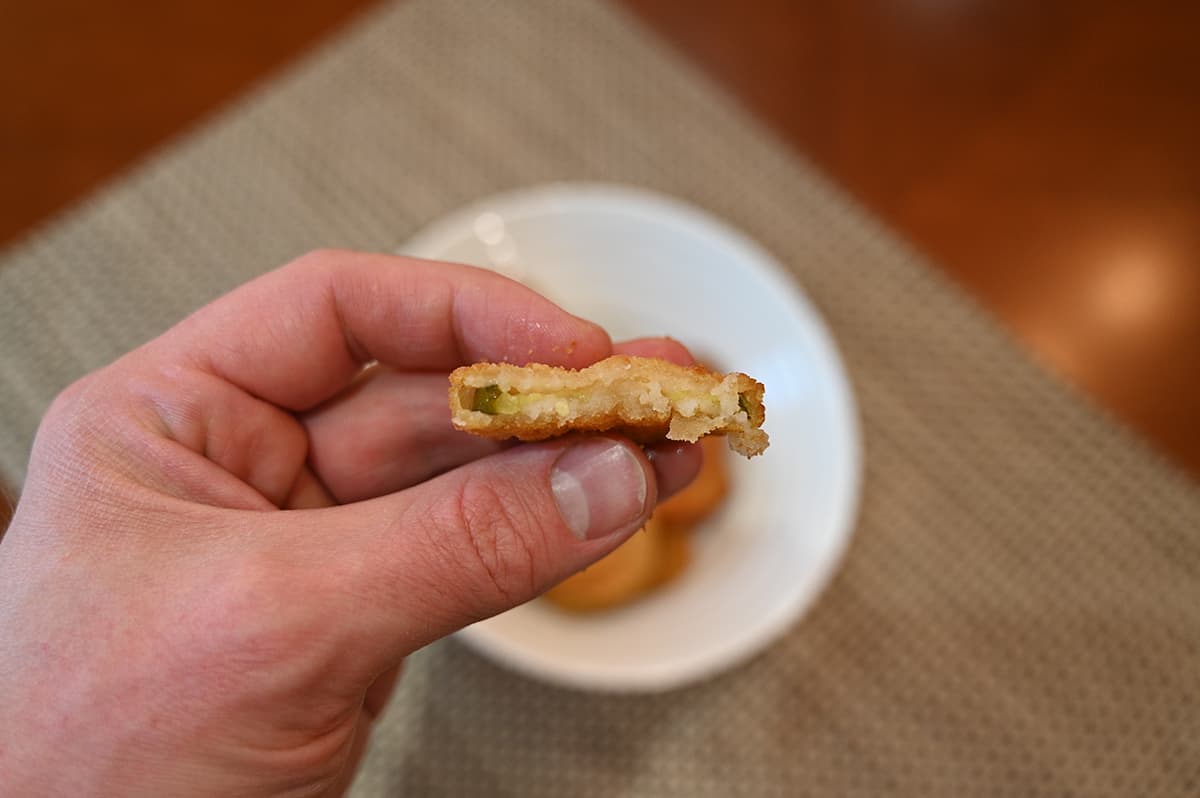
1043, 153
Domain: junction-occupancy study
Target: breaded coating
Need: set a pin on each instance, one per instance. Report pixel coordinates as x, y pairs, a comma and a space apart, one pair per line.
646, 399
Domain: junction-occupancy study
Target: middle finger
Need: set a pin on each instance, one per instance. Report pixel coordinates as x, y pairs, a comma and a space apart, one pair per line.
391, 430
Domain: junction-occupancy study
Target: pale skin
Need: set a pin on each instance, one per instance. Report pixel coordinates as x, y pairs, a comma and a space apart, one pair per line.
230, 538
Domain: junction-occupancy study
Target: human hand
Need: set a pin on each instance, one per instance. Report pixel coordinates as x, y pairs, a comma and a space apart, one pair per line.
230, 538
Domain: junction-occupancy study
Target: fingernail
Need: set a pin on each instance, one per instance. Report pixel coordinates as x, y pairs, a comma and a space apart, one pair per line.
599, 486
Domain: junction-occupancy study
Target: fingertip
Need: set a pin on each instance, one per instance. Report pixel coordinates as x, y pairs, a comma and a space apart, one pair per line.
665, 348
538, 330
590, 344
675, 465
601, 487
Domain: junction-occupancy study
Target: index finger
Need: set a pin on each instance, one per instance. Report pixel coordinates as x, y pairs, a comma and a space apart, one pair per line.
298, 335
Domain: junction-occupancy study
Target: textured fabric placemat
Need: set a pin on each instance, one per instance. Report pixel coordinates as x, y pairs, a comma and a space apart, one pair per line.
1019, 613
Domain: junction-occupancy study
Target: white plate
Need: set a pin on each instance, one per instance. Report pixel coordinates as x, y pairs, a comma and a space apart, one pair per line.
642, 264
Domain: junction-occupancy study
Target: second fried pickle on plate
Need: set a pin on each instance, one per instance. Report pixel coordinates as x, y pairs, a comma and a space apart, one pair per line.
623, 574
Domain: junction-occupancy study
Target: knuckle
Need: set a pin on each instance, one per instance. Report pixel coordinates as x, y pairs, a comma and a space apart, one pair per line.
76, 419
498, 530
69, 400
95, 418
319, 258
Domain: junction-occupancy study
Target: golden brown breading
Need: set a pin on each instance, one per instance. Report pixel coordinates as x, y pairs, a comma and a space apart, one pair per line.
644, 398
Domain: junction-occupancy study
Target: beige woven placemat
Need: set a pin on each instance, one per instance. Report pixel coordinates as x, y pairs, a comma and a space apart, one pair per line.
1020, 611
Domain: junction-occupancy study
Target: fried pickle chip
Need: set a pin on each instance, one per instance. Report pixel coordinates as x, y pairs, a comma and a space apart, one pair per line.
620, 576
646, 399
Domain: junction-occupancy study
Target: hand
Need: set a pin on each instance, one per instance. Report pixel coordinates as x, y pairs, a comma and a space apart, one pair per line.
230, 538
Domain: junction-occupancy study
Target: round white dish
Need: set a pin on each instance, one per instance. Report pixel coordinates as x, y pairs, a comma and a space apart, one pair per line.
642, 264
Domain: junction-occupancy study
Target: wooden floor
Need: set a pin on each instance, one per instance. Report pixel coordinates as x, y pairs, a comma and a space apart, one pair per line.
1044, 153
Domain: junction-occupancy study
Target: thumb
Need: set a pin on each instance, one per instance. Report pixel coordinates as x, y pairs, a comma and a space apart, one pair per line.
489, 535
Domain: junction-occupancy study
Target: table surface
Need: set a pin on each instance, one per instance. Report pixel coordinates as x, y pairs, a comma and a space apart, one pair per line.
1042, 153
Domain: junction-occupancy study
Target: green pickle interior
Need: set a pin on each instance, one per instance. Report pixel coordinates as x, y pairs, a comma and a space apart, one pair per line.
492, 400
486, 398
